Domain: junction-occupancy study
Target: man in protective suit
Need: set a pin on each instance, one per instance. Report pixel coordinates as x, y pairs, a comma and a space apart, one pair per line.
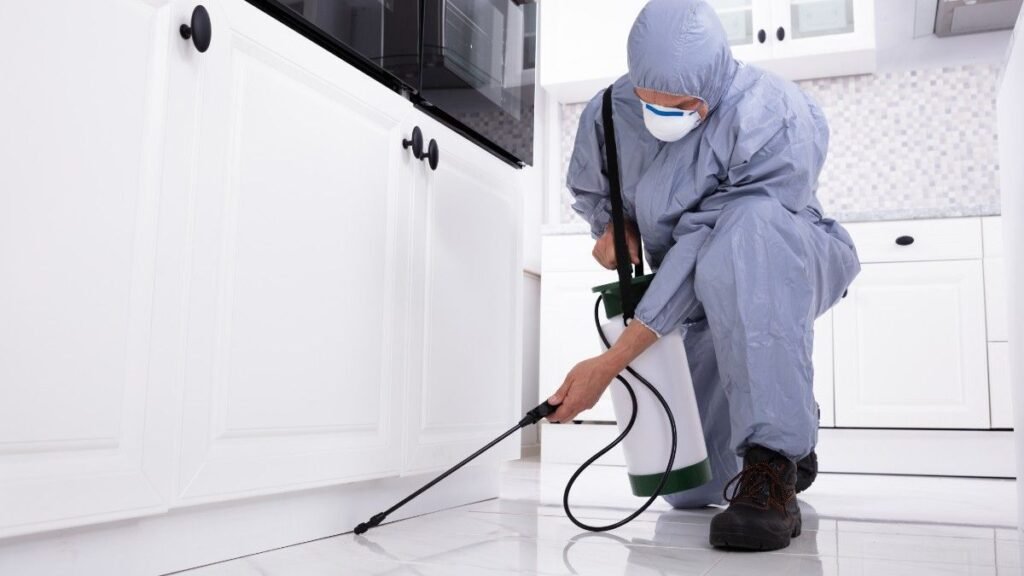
719, 165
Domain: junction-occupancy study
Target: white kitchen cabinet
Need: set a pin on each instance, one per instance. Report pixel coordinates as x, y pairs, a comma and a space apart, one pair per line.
746, 23
910, 347
583, 42
802, 38
87, 182
225, 277
292, 375
823, 28
465, 332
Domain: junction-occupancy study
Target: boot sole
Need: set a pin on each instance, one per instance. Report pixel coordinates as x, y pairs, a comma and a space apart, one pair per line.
742, 541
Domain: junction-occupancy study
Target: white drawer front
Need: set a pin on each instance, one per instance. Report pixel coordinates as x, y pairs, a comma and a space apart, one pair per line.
951, 239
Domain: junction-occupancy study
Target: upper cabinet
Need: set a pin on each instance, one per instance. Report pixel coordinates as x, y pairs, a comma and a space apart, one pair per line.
583, 48
800, 39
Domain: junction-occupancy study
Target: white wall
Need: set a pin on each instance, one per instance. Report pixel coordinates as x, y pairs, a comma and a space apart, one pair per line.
1011, 150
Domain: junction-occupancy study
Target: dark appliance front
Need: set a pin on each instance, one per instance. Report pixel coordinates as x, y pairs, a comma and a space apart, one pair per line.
470, 63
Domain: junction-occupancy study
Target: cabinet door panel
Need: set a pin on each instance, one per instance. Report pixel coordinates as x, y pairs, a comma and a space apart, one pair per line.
744, 21
910, 347
464, 385
291, 376
82, 430
821, 27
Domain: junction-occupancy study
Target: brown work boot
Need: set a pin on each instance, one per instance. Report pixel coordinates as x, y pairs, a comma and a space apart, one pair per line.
763, 513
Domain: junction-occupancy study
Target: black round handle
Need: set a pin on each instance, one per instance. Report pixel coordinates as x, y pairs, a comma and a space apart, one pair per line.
780, 33
905, 240
433, 154
416, 143
761, 36
200, 31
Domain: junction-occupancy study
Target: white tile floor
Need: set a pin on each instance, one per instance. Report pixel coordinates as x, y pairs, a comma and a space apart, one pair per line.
853, 525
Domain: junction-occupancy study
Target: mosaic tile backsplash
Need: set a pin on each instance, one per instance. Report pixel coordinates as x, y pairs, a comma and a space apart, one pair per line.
911, 144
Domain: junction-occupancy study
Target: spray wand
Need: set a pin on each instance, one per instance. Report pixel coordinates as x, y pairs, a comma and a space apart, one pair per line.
531, 418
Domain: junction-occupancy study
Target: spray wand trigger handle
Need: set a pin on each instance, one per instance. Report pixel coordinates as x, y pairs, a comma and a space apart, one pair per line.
546, 409
533, 416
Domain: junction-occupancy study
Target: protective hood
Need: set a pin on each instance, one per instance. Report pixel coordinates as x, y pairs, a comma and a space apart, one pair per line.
679, 47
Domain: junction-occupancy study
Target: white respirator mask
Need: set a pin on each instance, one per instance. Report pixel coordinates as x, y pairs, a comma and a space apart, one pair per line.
669, 124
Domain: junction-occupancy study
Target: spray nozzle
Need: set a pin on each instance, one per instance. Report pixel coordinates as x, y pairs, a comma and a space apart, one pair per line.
372, 522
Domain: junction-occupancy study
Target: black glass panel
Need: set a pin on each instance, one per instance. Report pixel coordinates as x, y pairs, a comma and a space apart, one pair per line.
473, 60
478, 66
356, 23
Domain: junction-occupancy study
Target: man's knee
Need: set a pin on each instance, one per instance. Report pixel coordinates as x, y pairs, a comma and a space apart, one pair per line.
753, 216
743, 222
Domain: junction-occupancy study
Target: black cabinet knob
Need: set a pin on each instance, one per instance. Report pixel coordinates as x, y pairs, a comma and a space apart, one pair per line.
200, 31
416, 143
905, 240
433, 155
780, 33
761, 36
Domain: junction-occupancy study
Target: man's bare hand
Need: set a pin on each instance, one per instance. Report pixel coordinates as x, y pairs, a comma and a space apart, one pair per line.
582, 388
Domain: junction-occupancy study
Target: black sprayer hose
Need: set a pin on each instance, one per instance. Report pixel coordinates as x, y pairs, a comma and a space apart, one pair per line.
621, 436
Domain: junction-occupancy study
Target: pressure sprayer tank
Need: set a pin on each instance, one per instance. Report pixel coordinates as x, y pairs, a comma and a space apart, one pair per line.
647, 446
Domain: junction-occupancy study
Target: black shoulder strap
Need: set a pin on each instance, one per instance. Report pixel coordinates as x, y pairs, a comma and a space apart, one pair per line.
622, 259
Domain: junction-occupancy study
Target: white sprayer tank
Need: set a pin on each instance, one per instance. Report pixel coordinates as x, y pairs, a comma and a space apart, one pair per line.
647, 446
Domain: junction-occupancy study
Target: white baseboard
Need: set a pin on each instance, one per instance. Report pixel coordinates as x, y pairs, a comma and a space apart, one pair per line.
197, 536
970, 453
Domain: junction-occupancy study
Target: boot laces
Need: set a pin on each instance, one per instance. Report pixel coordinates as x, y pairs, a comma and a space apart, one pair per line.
754, 484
